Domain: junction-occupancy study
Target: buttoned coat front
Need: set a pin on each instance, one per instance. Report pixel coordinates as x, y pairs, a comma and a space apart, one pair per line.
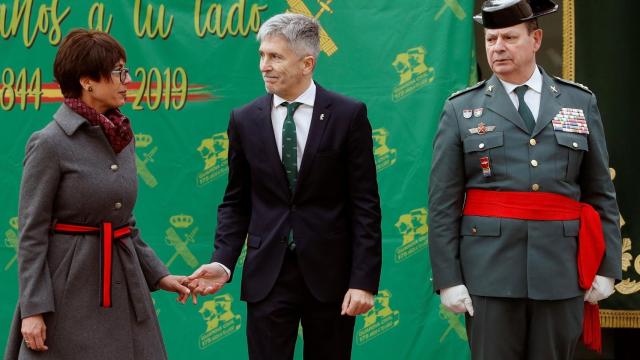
498, 257
72, 175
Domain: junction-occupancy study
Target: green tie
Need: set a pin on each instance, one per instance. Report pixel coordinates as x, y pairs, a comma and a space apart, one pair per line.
290, 154
290, 145
523, 109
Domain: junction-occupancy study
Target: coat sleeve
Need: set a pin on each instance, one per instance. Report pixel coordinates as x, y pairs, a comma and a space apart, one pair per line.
446, 200
234, 212
152, 267
38, 188
365, 205
597, 190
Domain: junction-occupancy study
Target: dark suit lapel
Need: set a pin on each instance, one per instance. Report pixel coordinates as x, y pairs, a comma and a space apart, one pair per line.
319, 120
499, 102
549, 105
265, 131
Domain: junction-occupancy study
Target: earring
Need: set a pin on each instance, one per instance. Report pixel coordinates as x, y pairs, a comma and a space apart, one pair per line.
90, 88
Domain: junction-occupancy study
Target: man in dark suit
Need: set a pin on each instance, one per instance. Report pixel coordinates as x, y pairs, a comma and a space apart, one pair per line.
511, 156
303, 192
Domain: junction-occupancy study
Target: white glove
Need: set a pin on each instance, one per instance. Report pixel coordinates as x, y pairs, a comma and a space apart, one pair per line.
601, 289
457, 299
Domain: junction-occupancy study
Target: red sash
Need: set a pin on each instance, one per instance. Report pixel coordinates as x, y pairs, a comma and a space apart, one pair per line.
107, 235
549, 206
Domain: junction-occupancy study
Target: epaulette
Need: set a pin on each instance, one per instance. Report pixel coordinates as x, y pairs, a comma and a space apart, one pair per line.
575, 84
460, 92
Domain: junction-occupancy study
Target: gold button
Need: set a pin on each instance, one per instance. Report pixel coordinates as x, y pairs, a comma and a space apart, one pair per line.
114, 167
474, 230
535, 187
118, 205
534, 163
532, 142
481, 146
575, 144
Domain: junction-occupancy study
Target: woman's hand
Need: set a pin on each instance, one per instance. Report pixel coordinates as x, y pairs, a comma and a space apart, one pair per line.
34, 332
174, 283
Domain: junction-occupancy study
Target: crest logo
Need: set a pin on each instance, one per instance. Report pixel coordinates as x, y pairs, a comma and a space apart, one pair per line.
415, 233
220, 319
180, 224
142, 142
384, 156
326, 43
455, 7
380, 319
214, 151
414, 73
455, 323
11, 240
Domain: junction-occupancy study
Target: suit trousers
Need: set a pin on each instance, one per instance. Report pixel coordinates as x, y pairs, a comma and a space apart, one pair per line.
272, 323
510, 329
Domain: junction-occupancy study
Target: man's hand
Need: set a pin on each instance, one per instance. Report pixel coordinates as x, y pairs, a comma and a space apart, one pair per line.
34, 332
356, 302
457, 299
601, 289
207, 280
175, 283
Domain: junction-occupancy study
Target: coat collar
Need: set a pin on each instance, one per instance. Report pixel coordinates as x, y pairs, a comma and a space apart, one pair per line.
319, 119
498, 101
68, 119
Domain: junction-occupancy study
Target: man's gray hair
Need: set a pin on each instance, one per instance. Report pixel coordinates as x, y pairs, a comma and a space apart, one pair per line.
301, 32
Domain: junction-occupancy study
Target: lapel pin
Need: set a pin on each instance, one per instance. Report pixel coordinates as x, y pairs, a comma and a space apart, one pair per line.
490, 88
553, 88
321, 116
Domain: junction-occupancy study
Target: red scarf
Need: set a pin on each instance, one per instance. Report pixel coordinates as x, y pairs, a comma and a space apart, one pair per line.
114, 124
549, 206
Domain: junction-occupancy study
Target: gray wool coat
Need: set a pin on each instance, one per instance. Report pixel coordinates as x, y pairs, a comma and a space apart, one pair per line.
72, 175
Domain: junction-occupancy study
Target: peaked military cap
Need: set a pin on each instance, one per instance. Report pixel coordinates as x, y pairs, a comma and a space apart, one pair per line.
497, 14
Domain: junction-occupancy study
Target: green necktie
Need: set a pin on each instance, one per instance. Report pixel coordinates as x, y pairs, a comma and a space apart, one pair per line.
523, 109
290, 154
290, 145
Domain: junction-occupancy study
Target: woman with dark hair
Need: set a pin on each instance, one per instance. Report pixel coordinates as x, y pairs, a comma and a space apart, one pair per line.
85, 274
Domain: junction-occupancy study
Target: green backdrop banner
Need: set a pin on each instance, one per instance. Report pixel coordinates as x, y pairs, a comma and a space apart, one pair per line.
192, 62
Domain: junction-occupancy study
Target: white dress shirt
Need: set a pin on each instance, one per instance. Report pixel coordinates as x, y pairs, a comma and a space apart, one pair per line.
533, 94
302, 119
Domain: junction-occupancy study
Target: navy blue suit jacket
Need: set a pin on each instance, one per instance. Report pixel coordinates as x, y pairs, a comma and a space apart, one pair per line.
334, 211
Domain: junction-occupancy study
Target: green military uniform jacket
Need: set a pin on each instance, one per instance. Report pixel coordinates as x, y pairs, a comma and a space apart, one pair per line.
508, 257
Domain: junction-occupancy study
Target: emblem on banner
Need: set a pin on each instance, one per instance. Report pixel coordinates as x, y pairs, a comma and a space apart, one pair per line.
11, 241
415, 233
214, 151
142, 143
380, 319
384, 156
570, 120
455, 7
220, 319
414, 73
455, 321
299, 7
181, 224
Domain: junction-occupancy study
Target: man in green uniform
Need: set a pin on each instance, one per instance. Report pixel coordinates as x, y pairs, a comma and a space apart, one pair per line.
536, 144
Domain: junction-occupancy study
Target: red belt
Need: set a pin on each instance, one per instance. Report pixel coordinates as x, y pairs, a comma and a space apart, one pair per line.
107, 235
549, 206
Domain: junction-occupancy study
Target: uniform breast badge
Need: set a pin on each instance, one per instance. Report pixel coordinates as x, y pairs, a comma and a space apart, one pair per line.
467, 113
477, 112
570, 120
482, 129
486, 166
